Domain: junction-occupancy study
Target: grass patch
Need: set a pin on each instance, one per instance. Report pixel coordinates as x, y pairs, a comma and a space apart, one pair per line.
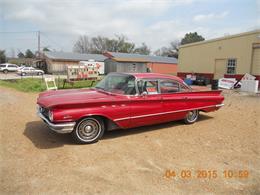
38, 85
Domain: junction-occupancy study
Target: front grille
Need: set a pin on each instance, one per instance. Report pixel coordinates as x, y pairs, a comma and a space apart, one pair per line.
44, 111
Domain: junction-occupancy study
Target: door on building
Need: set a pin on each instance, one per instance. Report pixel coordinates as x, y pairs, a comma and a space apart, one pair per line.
256, 60
220, 68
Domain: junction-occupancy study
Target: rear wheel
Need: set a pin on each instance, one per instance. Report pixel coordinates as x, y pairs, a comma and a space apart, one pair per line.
191, 117
88, 130
5, 71
40, 73
23, 73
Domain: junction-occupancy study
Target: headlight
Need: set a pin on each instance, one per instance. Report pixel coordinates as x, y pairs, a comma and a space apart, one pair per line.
50, 114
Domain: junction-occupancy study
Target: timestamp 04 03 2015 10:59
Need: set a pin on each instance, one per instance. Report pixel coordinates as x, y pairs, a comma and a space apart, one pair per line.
206, 174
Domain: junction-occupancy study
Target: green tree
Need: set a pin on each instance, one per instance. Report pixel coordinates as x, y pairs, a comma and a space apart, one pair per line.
191, 38
2, 56
20, 55
45, 49
143, 49
29, 54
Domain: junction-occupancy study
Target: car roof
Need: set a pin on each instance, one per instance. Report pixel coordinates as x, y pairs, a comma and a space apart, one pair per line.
154, 76
8, 64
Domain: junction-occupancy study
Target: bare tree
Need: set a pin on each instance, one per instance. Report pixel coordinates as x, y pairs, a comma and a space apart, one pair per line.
170, 51
143, 49
101, 44
83, 45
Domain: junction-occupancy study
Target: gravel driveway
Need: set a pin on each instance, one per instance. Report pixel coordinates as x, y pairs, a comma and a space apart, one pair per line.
34, 159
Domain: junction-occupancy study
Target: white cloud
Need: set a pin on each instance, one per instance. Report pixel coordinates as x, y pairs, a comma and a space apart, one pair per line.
210, 16
140, 20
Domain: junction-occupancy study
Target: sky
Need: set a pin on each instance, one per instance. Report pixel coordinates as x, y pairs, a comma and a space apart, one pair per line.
155, 22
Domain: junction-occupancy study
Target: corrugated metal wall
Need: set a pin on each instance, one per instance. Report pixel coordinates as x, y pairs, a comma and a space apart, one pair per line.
113, 66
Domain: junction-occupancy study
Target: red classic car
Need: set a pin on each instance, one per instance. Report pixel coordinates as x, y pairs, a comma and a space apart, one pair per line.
124, 100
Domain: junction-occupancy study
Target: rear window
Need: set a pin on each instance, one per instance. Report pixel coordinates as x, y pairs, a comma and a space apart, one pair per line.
149, 86
168, 86
171, 86
2, 66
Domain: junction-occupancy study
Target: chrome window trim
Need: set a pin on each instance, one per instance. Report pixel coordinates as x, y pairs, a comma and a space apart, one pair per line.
162, 113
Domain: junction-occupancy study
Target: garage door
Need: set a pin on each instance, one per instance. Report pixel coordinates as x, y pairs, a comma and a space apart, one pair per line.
220, 68
256, 60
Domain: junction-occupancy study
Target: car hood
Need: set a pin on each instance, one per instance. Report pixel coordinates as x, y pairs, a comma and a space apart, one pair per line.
68, 97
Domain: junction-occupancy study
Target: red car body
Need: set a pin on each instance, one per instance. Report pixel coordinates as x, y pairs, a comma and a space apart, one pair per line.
63, 109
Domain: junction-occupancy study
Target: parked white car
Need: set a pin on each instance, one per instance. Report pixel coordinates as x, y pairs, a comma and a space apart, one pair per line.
30, 71
6, 67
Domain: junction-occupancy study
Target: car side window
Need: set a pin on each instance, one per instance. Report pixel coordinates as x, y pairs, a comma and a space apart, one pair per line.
184, 88
149, 86
12, 66
169, 86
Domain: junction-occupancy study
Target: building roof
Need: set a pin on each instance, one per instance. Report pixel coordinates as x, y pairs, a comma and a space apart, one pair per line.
222, 38
126, 57
74, 56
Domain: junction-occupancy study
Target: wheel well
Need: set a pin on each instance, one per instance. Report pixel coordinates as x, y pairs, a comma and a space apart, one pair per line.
108, 123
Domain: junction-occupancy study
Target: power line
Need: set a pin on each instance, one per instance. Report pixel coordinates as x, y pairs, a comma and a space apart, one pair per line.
6, 32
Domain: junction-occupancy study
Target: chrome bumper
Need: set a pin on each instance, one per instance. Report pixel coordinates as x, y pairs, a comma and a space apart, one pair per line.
59, 128
219, 105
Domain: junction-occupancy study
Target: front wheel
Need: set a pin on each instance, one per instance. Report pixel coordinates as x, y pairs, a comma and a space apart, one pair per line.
191, 117
88, 130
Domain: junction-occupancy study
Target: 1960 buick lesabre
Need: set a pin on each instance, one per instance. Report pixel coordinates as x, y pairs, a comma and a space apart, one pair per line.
124, 100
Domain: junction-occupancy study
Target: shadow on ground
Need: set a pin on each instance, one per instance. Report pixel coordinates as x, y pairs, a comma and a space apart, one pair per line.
43, 138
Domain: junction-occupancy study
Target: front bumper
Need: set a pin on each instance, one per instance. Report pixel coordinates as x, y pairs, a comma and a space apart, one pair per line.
59, 128
219, 105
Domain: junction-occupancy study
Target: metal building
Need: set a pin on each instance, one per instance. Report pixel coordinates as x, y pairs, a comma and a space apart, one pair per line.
57, 62
128, 62
229, 56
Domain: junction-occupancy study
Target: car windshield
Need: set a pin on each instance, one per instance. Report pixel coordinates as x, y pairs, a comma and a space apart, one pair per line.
118, 83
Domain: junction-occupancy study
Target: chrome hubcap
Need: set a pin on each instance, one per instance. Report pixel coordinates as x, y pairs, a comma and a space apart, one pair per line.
88, 129
192, 115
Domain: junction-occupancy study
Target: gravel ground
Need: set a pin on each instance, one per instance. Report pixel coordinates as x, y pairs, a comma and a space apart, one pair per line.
35, 160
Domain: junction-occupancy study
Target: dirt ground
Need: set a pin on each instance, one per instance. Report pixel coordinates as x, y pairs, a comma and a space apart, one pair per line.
35, 160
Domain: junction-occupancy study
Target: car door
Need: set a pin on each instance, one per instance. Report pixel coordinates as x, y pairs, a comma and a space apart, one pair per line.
174, 99
12, 67
146, 107
25, 70
32, 71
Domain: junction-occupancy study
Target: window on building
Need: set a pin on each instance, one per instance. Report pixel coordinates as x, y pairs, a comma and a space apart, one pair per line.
133, 67
231, 66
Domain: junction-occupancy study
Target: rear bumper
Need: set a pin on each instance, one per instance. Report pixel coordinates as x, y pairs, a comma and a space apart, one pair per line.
59, 128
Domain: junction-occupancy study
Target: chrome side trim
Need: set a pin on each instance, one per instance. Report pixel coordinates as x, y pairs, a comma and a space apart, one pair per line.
170, 112
59, 128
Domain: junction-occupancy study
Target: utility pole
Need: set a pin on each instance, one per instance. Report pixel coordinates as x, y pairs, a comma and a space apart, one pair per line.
39, 44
